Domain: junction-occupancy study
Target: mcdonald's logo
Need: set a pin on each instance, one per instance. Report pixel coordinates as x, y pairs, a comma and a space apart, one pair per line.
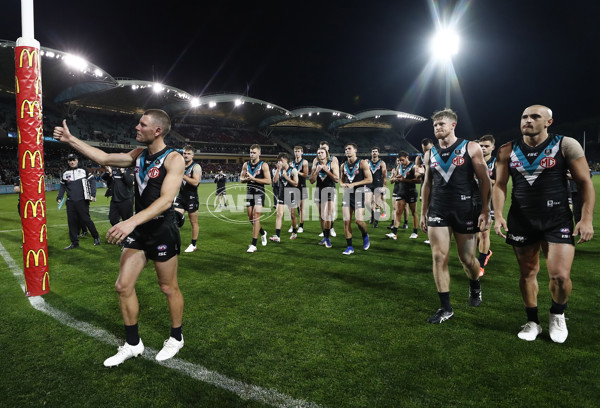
37, 86
34, 208
19, 133
17, 85
32, 156
30, 55
45, 278
42, 230
36, 257
41, 184
32, 106
40, 134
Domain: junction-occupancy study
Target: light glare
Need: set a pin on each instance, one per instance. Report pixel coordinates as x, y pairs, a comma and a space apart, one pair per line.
444, 44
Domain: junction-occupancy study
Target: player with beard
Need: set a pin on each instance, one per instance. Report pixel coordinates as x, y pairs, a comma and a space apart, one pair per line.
451, 209
539, 219
255, 173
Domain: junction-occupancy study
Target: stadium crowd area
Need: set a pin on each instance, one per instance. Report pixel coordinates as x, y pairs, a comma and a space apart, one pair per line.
117, 131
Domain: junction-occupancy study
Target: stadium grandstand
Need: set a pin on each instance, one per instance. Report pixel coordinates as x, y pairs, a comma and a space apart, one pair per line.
104, 110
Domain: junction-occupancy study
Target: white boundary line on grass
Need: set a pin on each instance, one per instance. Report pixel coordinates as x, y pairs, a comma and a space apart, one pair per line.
244, 391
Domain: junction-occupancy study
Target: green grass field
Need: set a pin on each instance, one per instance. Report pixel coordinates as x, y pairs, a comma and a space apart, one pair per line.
294, 324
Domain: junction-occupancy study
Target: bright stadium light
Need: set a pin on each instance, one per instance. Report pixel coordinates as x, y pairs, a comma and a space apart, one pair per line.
195, 102
444, 44
76, 62
158, 88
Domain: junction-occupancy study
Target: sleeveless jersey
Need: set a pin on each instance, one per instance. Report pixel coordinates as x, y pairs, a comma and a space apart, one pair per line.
353, 172
186, 187
298, 167
539, 174
409, 173
256, 171
149, 176
323, 179
377, 172
491, 165
453, 175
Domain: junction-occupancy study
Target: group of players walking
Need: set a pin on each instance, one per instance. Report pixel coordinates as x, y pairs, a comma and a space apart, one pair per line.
456, 196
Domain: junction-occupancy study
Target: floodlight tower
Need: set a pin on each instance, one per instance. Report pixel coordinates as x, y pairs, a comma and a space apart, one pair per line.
444, 45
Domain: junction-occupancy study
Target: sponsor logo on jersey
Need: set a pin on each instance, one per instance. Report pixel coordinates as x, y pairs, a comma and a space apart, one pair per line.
153, 173
161, 247
515, 164
458, 161
565, 230
548, 162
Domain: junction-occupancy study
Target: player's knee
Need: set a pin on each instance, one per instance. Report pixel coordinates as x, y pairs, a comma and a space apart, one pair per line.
439, 257
123, 290
168, 289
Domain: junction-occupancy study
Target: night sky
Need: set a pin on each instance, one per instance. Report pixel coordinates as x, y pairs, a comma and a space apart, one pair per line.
346, 55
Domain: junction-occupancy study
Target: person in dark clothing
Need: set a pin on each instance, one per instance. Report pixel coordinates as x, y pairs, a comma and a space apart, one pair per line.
119, 181
80, 191
221, 179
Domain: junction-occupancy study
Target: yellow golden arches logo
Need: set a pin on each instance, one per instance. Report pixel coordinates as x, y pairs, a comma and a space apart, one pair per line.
45, 278
30, 57
41, 184
40, 134
32, 106
19, 133
34, 208
43, 230
23, 236
37, 86
17, 85
36, 257
32, 157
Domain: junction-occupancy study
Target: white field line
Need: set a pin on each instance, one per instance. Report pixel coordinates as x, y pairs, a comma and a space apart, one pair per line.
244, 391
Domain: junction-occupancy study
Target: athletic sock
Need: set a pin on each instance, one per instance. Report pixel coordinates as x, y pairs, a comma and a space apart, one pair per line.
349, 241
254, 240
294, 230
445, 300
557, 308
481, 258
262, 231
415, 231
301, 225
395, 230
326, 233
194, 242
532, 314
131, 335
278, 232
475, 284
176, 333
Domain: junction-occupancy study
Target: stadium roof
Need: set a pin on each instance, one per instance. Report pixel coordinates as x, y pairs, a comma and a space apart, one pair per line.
68, 80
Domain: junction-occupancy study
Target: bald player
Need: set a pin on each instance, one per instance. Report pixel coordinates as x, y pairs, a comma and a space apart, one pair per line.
539, 218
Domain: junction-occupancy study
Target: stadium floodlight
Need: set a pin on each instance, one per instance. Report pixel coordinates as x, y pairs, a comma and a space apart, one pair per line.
444, 44
76, 62
238, 102
212, 104
158, 88
195, 102
98, 72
